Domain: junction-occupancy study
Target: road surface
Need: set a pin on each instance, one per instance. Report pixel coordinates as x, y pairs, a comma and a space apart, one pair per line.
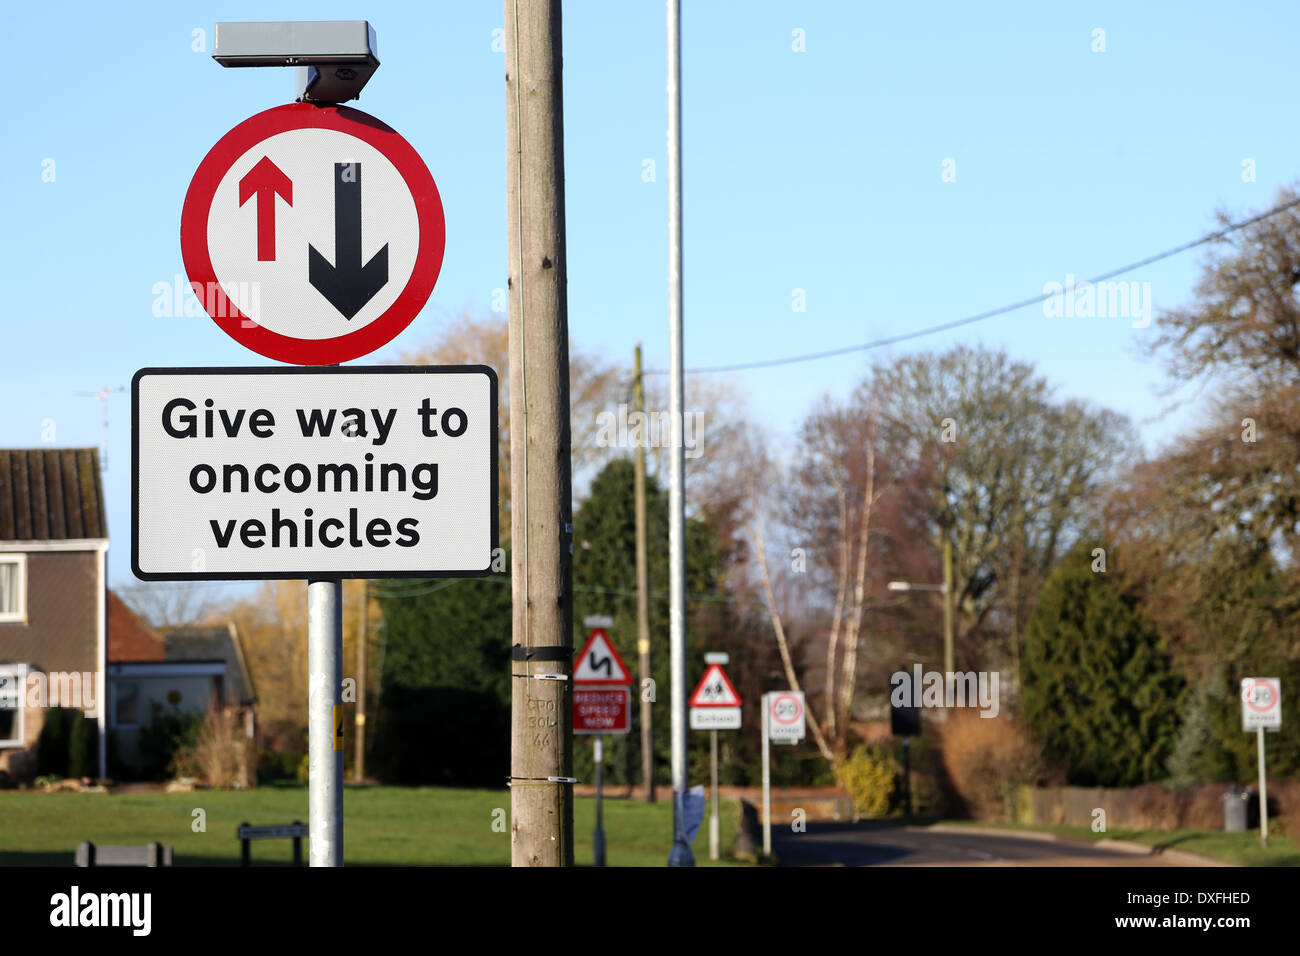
876, 844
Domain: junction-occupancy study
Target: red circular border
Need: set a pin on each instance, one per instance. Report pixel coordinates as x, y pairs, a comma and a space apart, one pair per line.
285, 348
791, 722
1271, 689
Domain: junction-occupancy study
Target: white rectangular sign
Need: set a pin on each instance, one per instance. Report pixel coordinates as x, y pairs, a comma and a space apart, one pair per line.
1261, 703
715, 718
785, 716
330, 472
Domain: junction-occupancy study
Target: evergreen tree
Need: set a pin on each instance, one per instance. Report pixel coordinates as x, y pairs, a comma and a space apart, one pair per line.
447, 646
82, 755
604, 579
446, 665
52, 745
1099, 692
1196, 756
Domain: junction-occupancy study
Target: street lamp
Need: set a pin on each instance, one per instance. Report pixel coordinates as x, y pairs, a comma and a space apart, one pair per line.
945, 590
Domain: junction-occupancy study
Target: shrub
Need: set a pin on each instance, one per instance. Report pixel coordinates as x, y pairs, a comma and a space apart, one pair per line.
168, 730
83, 756
52, 752
932, 791
277, 764
117, 769
220, 754
304, 768
870, 775
282, 745
987, 759
411, 717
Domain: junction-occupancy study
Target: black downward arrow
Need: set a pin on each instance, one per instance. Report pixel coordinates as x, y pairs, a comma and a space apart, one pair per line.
347, 285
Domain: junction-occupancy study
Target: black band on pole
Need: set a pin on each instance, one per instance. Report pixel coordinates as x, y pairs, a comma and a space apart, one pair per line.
550, 652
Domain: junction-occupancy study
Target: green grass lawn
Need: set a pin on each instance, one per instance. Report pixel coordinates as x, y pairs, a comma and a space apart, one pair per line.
383, 826
1239, 848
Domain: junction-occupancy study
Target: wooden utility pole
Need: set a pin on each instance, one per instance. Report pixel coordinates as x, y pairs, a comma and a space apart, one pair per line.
643, 599
359, 764
541, 520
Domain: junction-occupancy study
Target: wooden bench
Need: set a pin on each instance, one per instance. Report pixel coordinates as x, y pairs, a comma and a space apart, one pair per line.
151, 854
246, 832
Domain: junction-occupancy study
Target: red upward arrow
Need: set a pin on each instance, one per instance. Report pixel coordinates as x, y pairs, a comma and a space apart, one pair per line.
265, 180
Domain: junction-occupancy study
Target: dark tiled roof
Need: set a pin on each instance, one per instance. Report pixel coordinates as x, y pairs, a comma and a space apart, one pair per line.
50, 494
219, 642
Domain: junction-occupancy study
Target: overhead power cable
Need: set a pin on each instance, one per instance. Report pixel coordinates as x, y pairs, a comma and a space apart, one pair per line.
991, 313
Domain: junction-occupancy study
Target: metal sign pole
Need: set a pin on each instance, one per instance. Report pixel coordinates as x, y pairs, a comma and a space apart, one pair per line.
1263, 791
714, 823
598, 839
681, 854
324, 721
767, 785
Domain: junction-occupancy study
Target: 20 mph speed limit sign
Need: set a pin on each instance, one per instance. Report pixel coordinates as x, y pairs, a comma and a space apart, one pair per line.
312, 234
785, 716
1261, 703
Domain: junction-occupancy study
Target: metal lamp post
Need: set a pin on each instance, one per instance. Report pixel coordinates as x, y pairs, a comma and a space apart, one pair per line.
945, 590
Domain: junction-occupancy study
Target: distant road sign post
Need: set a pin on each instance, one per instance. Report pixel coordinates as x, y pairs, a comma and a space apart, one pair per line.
786, 720
1261, 709
602, 704
767, 780
715, 706
905, 722
783, 722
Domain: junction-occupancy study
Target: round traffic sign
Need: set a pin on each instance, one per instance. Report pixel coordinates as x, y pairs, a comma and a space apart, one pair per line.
786, 708
1259, 694
312, 234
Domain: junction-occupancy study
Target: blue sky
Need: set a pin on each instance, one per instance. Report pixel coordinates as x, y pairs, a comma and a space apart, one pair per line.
817, 170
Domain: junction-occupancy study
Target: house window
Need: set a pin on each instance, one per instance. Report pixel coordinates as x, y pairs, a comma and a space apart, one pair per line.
126, 704
12, 679
13, 588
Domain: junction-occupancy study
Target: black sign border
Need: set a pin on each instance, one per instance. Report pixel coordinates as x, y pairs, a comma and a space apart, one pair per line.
308, 370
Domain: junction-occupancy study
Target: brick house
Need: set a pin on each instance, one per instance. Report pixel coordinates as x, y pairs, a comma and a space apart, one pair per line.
53, 596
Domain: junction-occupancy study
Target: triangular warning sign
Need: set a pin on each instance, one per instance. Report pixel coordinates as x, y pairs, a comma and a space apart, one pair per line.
715, 690
599, 663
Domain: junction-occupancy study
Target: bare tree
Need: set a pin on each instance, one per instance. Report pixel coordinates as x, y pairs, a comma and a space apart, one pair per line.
1013, 473
166, 604
595, 385
836, 451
